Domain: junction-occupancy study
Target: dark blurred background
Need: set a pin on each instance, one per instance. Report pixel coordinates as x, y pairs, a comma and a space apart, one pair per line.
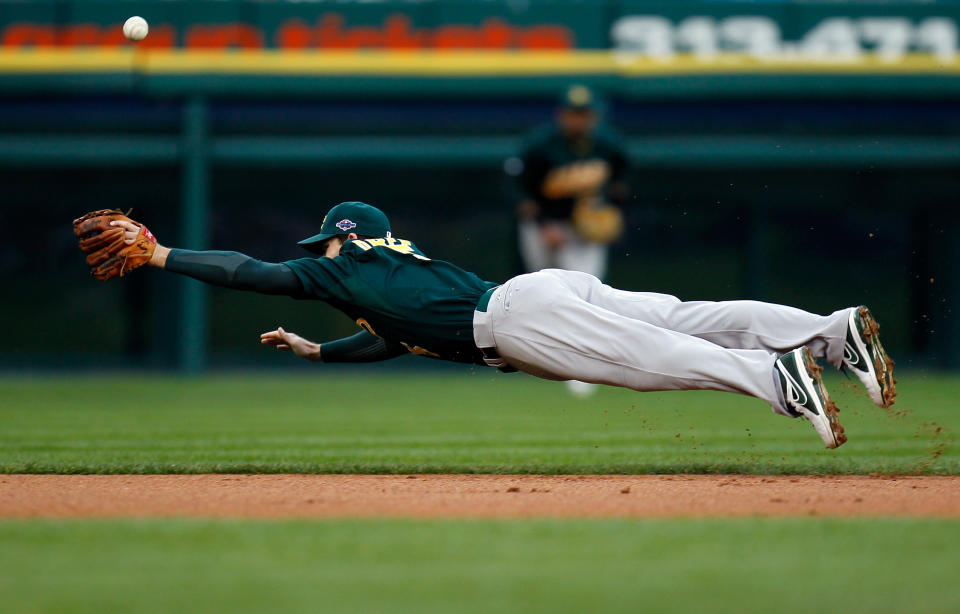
806, 154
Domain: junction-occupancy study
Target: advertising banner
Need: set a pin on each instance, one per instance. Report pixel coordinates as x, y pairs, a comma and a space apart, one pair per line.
443, 38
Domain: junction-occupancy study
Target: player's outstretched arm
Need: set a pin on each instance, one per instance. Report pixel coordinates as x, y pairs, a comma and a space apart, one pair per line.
362, 347
227, 269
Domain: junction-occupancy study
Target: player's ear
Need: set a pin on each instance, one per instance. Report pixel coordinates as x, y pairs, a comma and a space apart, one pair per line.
352, 236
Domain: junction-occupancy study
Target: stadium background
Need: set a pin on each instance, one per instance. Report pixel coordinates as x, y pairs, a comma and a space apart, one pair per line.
795, 152
799, 152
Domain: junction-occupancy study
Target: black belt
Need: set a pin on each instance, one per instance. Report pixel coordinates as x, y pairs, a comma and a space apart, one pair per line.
493, 359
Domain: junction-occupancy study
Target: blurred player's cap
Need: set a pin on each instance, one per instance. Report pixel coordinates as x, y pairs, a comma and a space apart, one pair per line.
578, 97
361, 218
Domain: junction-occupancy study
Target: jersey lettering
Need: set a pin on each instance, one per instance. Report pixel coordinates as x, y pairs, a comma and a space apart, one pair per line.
419, 351
416, 349
398, 245
362, 323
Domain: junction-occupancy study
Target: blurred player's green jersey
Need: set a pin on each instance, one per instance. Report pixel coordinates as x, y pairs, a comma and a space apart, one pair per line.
548, 150
395, 292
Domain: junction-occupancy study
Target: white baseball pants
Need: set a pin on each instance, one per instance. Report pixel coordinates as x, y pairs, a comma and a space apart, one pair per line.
563, 325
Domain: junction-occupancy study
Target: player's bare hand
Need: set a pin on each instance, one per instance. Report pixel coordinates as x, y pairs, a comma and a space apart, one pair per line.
130, 231
528, 210
283, 340
555, 235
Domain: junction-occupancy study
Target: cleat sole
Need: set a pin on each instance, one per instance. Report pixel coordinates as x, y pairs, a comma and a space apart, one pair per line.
829, 407
882, 363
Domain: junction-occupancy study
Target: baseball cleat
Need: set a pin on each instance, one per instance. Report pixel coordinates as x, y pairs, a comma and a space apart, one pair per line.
805, 395
863, 354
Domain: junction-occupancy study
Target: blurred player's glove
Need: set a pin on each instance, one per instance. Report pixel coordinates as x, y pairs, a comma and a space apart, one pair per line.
577, 179
597, 222
108, 254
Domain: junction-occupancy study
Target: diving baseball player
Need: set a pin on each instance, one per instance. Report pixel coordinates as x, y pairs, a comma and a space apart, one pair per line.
553, 324
570, 171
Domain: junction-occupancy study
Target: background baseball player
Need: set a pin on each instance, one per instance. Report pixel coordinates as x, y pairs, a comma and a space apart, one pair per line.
571, 171
553, 324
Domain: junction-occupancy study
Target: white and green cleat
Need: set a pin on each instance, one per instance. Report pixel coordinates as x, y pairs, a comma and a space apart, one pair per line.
805, 395
864, 356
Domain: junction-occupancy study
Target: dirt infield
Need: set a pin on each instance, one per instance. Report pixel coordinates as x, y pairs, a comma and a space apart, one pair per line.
461, 496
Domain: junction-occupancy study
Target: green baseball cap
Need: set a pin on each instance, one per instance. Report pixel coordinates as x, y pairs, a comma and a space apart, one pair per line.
578, 97
361, 218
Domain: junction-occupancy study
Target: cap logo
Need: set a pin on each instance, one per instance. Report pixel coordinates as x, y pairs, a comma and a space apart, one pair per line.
579, 95
346, 225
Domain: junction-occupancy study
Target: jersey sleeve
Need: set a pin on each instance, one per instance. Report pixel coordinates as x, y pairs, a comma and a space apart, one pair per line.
324, 278
362, 347
234, 270
617, 157
618, 192
536, 165
618, 164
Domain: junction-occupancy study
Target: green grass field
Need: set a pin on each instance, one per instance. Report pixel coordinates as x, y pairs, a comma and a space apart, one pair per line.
461, 421
784, 566
469, 421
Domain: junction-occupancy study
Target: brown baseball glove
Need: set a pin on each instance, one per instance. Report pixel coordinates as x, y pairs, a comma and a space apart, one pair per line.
108, 254
597, 222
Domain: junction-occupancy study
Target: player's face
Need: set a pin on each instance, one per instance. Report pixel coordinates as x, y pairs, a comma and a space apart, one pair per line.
576, 123
332, 247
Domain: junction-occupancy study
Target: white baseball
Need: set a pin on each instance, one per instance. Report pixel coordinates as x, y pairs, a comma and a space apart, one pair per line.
136, 28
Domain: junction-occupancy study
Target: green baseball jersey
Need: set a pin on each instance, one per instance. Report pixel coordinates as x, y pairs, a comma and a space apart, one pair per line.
547, 150
395, 292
